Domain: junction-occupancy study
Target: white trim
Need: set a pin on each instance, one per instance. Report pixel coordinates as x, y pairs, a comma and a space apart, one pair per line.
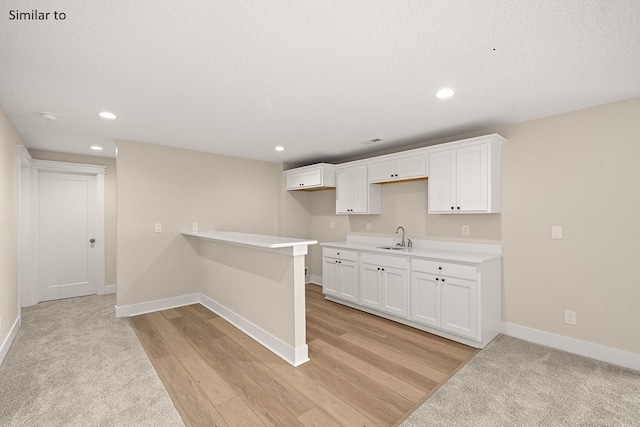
157, 305
110, 289
28, 187
315, 280
99, 245
583, 348
292, 355
66, 167
4, 349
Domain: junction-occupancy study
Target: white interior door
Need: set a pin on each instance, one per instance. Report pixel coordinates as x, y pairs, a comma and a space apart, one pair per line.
67, 223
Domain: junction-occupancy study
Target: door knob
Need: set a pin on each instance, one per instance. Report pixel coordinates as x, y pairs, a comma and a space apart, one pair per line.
92, 241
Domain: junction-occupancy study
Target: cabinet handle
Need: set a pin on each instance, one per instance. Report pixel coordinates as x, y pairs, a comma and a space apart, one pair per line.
439, 268
383, 269
443, 280
437, 279
451, 207
458, 207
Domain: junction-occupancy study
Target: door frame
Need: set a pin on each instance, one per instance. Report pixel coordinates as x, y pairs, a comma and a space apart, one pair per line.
28, 216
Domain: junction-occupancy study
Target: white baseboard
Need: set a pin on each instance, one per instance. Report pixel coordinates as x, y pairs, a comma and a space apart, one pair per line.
110, 289
157, 305
583, 348
4, 349
316, 280
293, 355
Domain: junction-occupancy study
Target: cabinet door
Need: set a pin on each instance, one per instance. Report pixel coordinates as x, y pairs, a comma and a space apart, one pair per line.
460, 307
360, 190
442, 182
343, 191
330, 278
411, 167
425, 299
293, 181
348, 278
472, 183
395, 291
382, 171
370, 285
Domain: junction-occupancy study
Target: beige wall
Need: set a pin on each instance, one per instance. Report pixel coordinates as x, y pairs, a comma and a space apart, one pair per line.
109, 201
9, 302
176, 188
578, 170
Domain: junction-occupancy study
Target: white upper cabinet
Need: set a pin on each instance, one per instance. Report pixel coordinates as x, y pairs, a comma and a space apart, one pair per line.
354, 194
315, 177
399, 168
464, 177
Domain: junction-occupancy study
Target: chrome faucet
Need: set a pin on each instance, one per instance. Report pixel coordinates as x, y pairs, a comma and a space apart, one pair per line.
402, 243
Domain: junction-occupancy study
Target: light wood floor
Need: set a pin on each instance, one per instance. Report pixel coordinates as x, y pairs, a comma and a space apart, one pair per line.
364, 370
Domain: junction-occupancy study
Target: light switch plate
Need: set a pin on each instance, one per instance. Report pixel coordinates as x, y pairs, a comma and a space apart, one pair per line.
158, 227
194, 226
556, 232
465, 229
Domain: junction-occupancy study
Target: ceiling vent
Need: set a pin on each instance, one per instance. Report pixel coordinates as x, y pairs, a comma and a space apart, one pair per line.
371, 141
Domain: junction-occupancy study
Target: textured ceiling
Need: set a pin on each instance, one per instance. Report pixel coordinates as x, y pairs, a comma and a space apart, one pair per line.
318, 77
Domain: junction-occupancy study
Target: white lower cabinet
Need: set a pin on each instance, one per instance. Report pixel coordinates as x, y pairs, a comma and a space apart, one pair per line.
340, 274
445, 295
457, 300
385, 283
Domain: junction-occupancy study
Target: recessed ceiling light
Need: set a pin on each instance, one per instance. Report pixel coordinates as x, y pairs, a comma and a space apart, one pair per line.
96, 148
107, 115
444, 93
279, 148
49, 116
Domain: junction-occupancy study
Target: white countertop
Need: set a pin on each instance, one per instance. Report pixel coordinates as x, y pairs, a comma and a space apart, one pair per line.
258, 240
447, 254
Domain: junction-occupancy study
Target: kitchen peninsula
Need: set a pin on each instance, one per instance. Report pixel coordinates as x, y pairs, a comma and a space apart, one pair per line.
256, 282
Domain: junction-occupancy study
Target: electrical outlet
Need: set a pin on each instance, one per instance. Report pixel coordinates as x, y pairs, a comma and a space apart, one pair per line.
465, 229
332, 224
158, 227
194, 226
368, 226
556, 232
569, 317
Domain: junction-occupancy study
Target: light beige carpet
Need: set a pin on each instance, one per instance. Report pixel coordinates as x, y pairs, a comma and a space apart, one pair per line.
516, 383
74, 364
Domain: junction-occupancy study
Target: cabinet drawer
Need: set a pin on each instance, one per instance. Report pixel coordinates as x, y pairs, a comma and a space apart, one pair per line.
340, 254
387, 261
461, 271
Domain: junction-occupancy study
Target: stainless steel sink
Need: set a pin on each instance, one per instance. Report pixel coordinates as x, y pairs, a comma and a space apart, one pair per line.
393, 248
